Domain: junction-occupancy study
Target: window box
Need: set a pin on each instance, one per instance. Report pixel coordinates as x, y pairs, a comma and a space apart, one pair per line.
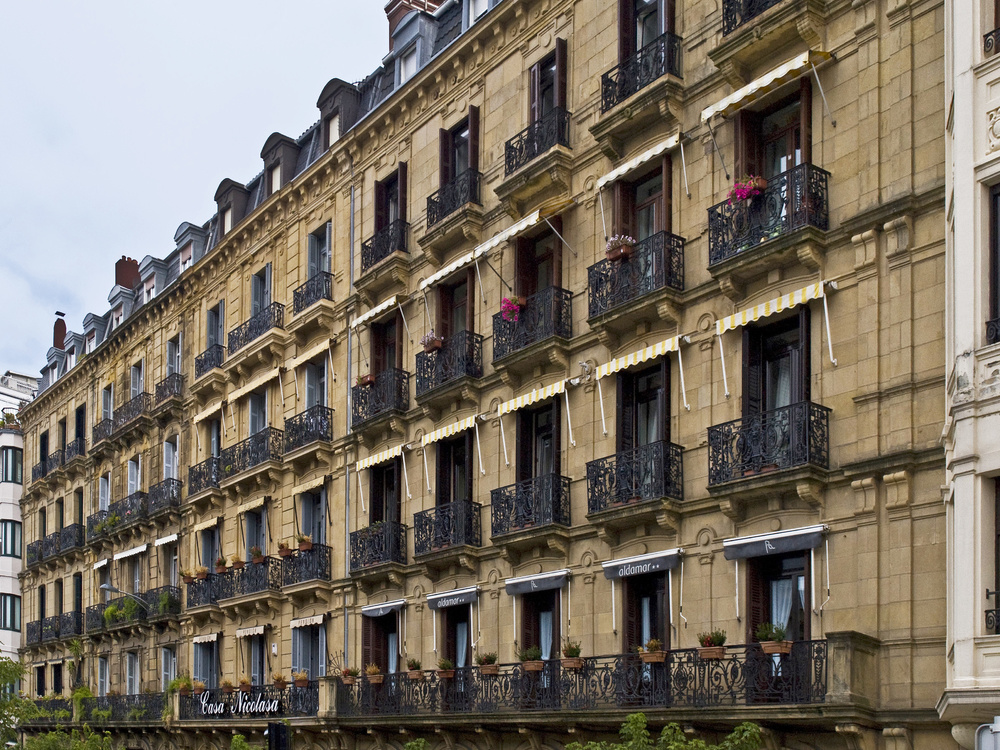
776, 647
534, 665
653, 657
572, 662
711, 652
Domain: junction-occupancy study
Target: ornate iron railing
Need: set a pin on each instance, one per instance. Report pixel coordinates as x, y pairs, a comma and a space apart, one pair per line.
656, 59
33, 553
252, 578
204, 475
449, 525
33, 632
39, 469
54, 461
460, 356
744, 676
390, 392
993, 331
990, 42
656, 263
993, 622
209, 359
536, 139
307, 565
382, 542
548, 313
383, 243
51, 711
76, 449
530, 503
50, 628
315, 423
169, 387
255, 450
71, 537
94, 617
50, 545
272, 316
132, 409
319, 286
163, 496
735, 13
261, 701
141, 708
783, 438
163, 601
463, 189
792, 200
123, 612
127, 511
203, 591
70, 623
97, 525
649, 472
103, 430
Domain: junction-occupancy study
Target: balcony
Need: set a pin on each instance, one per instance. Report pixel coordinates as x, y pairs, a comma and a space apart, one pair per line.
50, 545
169, 394
292, 701
75, 449
460, 191
307, 565
204, 477
102, 431
389, 394
71, 538
210, 359
441, 532
735, 13
655, 60
132, 410
550, 131
538, 165
204, 592
990, 42
50, 711
50, 628
773, 441
243, 589
94, 618
164, 602
33, 553
141, 708
993, 331
459, 358
163, 496
97, 525
317, 288
271, 317
38, 471
251, 453
54, 461
70, 624
388, 240
313, 425
313, 307
33, 633
544, 315
532, 512
127, 512
381, 543
454, 215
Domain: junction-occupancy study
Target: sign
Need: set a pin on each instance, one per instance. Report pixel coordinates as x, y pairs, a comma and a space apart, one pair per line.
452, 598
642, 564
540, 582
245, 704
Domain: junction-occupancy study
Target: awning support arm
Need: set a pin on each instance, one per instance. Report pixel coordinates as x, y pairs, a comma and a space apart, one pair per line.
406, 479
479, 449
362, 350
822, 94
684, 165
717, 151
361, 493
502, 279
722, 356
737, 582
503, 439
281, 386
561, 238
409, 335
614, 625
829, 341
479, 276
600, 400
604, 225
569, 418
680, 604
427, 315
295, 379
680, 367
427, 473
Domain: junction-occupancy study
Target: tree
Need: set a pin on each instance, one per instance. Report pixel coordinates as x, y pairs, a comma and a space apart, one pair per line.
635, 736
14, 709
84, 739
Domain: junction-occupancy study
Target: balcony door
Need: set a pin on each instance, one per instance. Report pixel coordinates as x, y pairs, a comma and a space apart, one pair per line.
257, 405
646, 611
319, 250
80, 430
540, 622
215, 325
387, 345
776, 364
548, 83
315, 377
390, 199
778, 589
386, 499
138, 371
643, 407
774, 140
538, 445
134, 475
454, 465
256, 531
456, 306
538, 265
641, 22
458, 636
256, 656
260, 290
380, 642
314, 515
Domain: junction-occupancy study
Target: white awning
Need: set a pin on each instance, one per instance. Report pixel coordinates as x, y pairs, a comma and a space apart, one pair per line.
210, 638
206, 524
764, 85
202, 415
380, 308
165, 540
539, 394
446, 432
304, 622
764, 309
309, 354
130, 552
247, 632
253, 385
252, 505
537, 582
454, 266
311, 484
638, 161
386, 455
638, 357
100, 563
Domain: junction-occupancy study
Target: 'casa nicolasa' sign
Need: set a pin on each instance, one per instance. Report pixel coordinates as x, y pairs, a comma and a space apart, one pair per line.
245, 704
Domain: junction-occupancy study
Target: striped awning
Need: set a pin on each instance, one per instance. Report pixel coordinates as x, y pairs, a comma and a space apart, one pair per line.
130, 552
380, 308
305, 622
764, 85
308, 485
638, 357
165, 540
300, 359
100, 564
247, 632
252, 504
202, 415
387, 455
209, 638
446, 432
455, 265
638, 161
253, 385
785, 302
539, 394
206, 524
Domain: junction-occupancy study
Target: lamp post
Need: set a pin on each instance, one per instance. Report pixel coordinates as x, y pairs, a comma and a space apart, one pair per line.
112, 590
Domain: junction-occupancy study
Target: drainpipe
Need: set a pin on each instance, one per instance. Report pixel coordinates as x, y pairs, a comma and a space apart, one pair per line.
347, 471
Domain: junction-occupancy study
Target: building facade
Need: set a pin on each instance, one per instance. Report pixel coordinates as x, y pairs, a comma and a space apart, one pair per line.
425, 403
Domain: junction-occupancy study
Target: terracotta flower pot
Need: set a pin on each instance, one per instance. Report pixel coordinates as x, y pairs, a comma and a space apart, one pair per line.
302, 683
711, 652
257, 560
281, 684
228, 689
622, 252
198, 690
446, 674
188, 579
238, 564
492, 669
776, 647
417, 675
245, 687
432, 346
572, 662
220, 569
184, 690
376, 679
760, 183
347, 679
534, 665
201, 576
366, 379
285, 551
653, 657
305, 546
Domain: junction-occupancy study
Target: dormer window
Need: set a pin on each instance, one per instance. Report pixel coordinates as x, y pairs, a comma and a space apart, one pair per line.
116, 317
70, 358
90, 343
149, 289
476, 9
227, 220
407, 65
332, 129
274, 179
187, 257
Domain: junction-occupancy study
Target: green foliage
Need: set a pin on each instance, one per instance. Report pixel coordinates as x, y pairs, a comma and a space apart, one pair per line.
14, 709
81, 694
635, 736
167, 602
129, 610
101, 715
532, 653
418, 744
136, 714
768, 632
85, 739
75, 647
111, 613
239, 742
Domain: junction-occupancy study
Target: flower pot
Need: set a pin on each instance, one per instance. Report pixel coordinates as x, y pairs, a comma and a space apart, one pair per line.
244, 687
776, 647
653, 657
280, 684
198, 690
572, 662
201, 576
376, 679
305, 546
184, 690
257, 560
366, 379
534, 665
622, 252
711, 652
188, 579
347, 679
220, 569
417, 675
432, 346
302, 683
760, 183
238, 564
228, 689
489, 669
446, 674
285, 551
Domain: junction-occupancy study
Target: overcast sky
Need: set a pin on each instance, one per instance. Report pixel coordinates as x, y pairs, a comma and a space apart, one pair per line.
119, 118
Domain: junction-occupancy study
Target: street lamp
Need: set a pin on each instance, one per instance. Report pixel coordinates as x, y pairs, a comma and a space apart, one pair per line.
112, 590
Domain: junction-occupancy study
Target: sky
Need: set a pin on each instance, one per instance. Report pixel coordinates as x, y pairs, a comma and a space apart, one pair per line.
121, 117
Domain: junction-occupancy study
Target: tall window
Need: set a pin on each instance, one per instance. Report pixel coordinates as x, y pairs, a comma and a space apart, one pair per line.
314, 515
459, 148
456, 306
408, 65
772, 141
80, 429
11, 465
387, 345
168, 666
170, 563
476, 9
209, 546
646, 612
257, 405
309, 650
57, 679
170, 457
454, 463
319, 250
777, 592
131, 672
186, 257
540, 622
256, 657
134, 574
137, 373
10, 612
538, 264
102, 676
10, 538
643, 407
104, 491
134, 474
206, 663
215, 325
78, 592
776, 364
993, 326
380, 642
641, 22
256, 532
174, 355
40, 681
386, 501
548, 83
260, 290
390, 198
457, 636
538, 442
215, 437
43, 446
642, 206
315, 377
108, 402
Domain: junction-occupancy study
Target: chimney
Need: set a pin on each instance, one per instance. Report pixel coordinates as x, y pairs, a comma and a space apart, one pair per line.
396, 10
59, 332
127, 273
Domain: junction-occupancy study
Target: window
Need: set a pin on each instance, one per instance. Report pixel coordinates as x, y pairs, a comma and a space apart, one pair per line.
314, 515
457, 636
256, 657
168, 667
319, 250
10, 538
134, 573
407, 65
90, 343
548, 84
257, 406
10, 612
641, 22
646, 611
256, 531
476, 9
643, 407
227, 220
386, 502
70, 358
642, 207
776, 364
104, 491
390, 199
42, 611
137, 372
11, 465
206, 664
149, 289
309, 650
260, 290
108, 402
80, 429
209, 546
78, 592
454, 462
60, 515
540, 622
274, 179
134, 475
215, 437
102, 676
43, 446
170, 457
459, 149
215, 325
538, 442
57, 679
103, 595
40, 681
457, 303
57, 590
387, 345
538, 264
42, 522
186, 257
993, 324
777, 592
174, 355
116, 317
332, 129
62, 434
170, 563
131, 673
774, 140
380, 641
315, 377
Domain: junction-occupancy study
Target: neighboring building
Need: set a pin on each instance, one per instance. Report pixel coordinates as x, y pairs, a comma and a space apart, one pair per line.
732, 424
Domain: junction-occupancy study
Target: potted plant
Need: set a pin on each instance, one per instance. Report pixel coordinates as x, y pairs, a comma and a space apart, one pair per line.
301, 679
201, 572
652, 652
414, 672
220, 564
772, 638
227, 686
305, 542
366, 380
349, 674
280, 681
187, 576
236, 561
446, 669
245, 684
531, 659
712, 644
374, 674
571, 655
748, 186
510, 308
488, 663
181, 683
197, 687
431, 342
256, 555
619, 247
283, 549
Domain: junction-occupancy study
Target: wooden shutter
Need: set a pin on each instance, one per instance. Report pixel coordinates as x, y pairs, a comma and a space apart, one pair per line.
450, 624
473, 138
805, 114
529, 620
313, 255
557, 225
625, 404
752, 381
665, 400
525, 446
394, 500
445, 300
801, 357
556, 622
758, 598
662, 604
376, 483
534, 93
624, 208
445, 153
561, 71
377, 339
401, 187
747, 159
328, 250
557, 434
381, 206
669, 14
368, 647
666, 168
470, 290
524, 267
626, 29
443, 489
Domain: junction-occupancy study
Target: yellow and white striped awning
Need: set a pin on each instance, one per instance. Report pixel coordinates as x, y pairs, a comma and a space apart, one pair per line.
785, 302
635, 358
321, 348
764, 85
200, 416
446, 432
253, 385
206, 524
251, 631
539, 394
252, 504
455, 265
638, 161
387, 455
380, 308
308, 485
207, 638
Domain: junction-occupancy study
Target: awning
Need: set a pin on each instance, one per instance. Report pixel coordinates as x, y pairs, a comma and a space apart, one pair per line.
764, 85
210, 638
652, 562
453, 598
635, 358
539, 394
792, 299
301, 359
454, 266
380, 308
446, 432
312, 484
537, 582
206, 524
305, 622
378, 610
100, 564
638, 161
774, 543
251, 505
131, 552
253, 385
247, 632
165, 540
387, 455
202, 415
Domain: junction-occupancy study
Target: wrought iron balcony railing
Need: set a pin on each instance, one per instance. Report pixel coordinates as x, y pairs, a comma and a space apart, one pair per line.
163, 496
50, 628
993, 331
314, 424
649, 472
390, 392
204, 475
548, 313
127, 511
33, 632
449, 525
54, 461
209, 359
735, 13
94, 617
257, 449
38, 470
383, 243
97, 525
656, 263
460, 356
50, 545
656, 59
103, 430
380, 543
272, 316
163, 601
744, 676
308, 565
141, 708
71, 537
76, 449
784, 438
132, 409
320, 286
33, 553
991, 41
204, 591
257, 703
122, 612
463, 189
540, 136
50, 711
792, 200
530, 503
70, 623
170, 387
252, 578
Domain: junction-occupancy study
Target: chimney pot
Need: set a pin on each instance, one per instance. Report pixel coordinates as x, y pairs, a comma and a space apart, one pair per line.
59, 334
127, 273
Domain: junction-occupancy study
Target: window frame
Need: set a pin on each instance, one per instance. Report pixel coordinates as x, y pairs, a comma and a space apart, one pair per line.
11, 538
12, 464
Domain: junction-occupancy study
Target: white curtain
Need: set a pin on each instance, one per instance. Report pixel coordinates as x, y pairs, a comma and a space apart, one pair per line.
781, 383
461, 643
781, 601
545, 633
646, 620
393, 652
